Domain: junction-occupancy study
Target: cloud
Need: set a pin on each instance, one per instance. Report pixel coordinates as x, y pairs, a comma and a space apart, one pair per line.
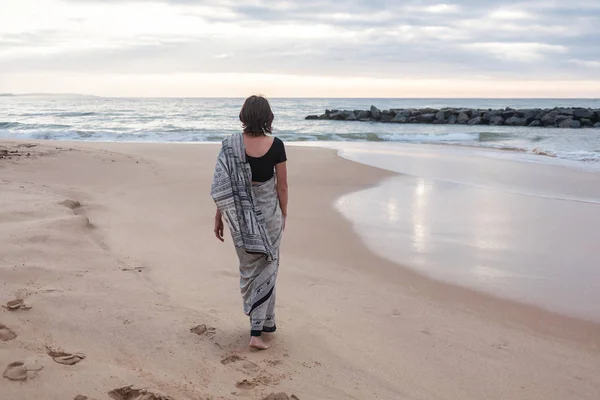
415, 39
586, 63
518, 52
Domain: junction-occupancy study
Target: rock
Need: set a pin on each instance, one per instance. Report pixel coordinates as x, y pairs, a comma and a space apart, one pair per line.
351, 116
529, 118
566, 123
575, 124
496, 120
426, 118
580, 113
549, 119
515, 121
561, 117
443, 115
463, 118
312, 117
375, 112
467, 111
386, 118
452, 119
475, 121
491, 114
565, 111
586, 123
535, 122
324, 116
337, 115
522, 113
509, 114
597, 125
363, 115
401, 116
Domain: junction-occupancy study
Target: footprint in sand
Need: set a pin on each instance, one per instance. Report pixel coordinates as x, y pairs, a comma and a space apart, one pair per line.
6, 333
203, 330
245, 366
81, 397
262, 379
246, 384
18, 304
17, 371
280, 396
72, 204
65, 358
129, 393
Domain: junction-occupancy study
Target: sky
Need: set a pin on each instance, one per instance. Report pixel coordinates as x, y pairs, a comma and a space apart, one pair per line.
302, 48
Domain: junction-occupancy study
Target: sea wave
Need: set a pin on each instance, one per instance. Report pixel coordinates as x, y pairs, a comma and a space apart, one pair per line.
20, 126
172, 132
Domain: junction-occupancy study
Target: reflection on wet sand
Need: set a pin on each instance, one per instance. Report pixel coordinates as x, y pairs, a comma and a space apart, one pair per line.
536, 249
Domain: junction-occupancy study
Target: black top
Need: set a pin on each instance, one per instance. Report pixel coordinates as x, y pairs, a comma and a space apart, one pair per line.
263, 167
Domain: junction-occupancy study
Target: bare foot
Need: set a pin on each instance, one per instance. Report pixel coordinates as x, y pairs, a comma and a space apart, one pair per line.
257, 343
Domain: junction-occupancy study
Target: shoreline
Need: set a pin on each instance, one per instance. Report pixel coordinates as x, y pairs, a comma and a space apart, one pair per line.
420, 301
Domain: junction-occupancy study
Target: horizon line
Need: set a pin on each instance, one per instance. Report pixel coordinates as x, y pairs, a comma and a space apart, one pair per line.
292, 98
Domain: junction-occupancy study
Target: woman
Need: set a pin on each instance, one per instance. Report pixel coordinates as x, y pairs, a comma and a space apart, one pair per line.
251, 193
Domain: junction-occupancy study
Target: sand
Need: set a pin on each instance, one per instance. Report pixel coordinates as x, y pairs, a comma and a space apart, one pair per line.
111, 246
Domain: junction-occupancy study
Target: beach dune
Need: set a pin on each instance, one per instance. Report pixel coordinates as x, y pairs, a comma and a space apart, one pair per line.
111, 250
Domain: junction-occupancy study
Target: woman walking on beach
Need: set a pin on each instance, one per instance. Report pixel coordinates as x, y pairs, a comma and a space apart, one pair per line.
251, 193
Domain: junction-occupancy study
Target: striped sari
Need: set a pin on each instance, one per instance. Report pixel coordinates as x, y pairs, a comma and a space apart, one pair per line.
254, 218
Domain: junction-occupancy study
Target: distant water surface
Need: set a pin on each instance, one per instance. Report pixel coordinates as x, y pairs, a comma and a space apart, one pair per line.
199, 120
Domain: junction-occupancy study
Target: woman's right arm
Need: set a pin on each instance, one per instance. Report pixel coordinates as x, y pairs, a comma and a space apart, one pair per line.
282, 188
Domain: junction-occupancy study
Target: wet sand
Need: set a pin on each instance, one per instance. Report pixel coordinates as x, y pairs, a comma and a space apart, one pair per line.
111, 246
518, 227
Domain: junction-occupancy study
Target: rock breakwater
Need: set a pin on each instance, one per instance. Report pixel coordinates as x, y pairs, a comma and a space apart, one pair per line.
537, 117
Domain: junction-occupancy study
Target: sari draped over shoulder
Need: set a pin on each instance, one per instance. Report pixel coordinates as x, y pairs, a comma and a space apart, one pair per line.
254, 218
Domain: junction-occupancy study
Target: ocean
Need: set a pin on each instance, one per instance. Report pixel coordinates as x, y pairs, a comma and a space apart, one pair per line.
210, 119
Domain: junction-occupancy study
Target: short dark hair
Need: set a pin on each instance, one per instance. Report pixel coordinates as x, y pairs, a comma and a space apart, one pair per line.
256, 116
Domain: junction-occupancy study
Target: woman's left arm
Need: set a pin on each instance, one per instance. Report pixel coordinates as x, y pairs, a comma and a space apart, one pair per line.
219, 227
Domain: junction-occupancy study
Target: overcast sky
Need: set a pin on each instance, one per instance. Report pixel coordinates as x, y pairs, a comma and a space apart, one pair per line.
321, 48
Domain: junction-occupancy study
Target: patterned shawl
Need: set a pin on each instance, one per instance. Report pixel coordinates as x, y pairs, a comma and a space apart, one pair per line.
232, 192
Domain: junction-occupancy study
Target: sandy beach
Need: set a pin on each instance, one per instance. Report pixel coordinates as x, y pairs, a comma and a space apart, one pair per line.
111, 245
